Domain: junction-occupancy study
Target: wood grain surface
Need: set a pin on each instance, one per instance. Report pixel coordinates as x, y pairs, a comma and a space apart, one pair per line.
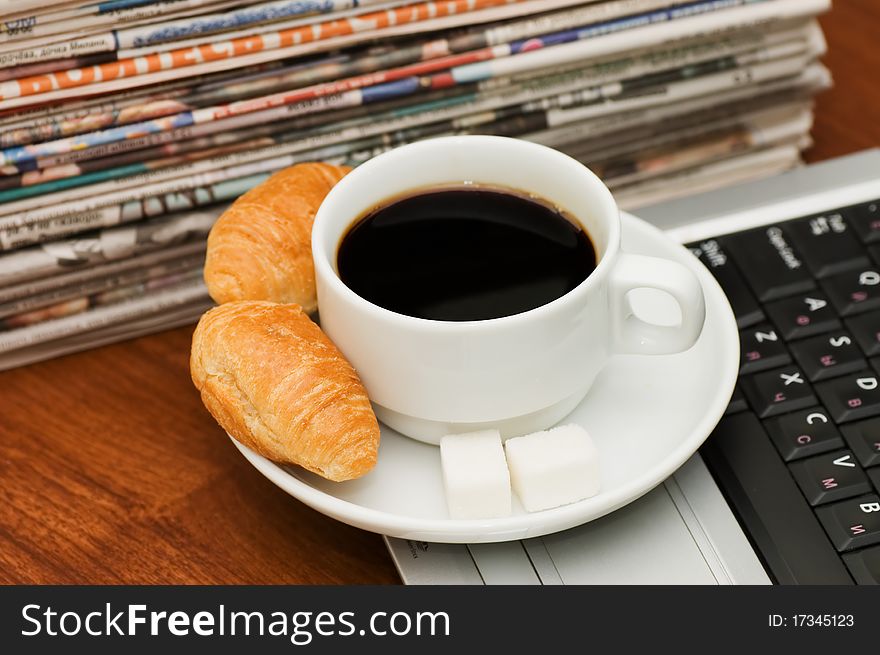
111, 471
847, 115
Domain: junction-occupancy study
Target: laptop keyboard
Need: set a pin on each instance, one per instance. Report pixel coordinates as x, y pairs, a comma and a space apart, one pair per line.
797, 453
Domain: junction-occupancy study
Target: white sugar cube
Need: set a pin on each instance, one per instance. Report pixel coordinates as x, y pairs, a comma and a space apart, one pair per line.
553, 468
475, 475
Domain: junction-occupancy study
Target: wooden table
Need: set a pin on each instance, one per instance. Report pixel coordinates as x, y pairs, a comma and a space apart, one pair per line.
112, 472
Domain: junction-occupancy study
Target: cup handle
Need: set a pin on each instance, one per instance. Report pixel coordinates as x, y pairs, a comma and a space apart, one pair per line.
632, 335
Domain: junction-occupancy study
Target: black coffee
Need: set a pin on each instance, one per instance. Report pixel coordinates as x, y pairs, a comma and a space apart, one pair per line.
464, 254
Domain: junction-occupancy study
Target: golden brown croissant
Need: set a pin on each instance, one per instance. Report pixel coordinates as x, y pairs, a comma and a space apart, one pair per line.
277, 384
261, 247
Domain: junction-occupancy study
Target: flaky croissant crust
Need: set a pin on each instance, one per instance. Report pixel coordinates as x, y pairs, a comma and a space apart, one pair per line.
275, 382
261, 247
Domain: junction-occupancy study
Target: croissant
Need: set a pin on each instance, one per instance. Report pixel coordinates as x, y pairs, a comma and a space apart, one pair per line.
278, 385
261, 247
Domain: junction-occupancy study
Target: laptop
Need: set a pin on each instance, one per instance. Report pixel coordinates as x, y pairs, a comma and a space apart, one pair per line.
786, 490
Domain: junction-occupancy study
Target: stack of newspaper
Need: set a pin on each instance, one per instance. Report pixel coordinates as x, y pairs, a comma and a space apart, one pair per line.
126, 126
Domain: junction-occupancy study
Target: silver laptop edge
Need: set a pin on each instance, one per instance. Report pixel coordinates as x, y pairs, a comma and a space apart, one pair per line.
682, 532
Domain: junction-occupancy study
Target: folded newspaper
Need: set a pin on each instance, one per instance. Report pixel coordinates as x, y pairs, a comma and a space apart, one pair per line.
126, 126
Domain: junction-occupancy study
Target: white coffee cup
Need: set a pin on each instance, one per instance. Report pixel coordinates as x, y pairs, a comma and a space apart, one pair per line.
518, 373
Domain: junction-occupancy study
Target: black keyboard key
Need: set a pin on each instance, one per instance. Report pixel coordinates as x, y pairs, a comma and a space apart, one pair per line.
826, 244
864, 565
769, 505
866, 329
768, 262
830, 477
865, 220
804, 433
761, 349
742, 301
852, 397
803, 316
737, 402
864, 440
778, 391
828, 356
854, 292
874, 474
853, 523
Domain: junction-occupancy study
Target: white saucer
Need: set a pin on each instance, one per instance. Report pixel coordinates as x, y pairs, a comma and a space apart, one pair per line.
647, 414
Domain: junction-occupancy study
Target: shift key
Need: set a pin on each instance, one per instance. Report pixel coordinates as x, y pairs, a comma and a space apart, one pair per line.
742, 301
769, 262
